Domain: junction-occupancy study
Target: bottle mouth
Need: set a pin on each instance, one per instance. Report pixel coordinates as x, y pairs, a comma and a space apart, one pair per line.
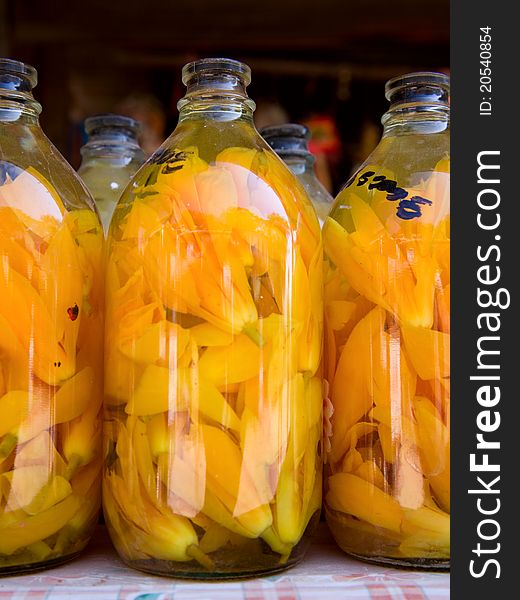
16, 75
217, 67
216, 82
422, 87
109, 124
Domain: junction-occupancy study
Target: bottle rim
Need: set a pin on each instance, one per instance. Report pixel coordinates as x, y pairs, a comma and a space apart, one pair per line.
291, 130
222, 65
417, 79
14, 67
111, 120
288, 139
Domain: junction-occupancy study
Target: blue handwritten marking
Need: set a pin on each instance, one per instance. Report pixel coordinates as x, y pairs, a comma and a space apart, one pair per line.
398, 194
408, 208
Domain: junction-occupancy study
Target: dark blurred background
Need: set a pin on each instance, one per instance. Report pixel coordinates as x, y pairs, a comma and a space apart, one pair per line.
323, 63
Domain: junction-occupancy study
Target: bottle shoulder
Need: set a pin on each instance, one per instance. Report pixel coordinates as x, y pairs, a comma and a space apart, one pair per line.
222, 181
29, 153
405, 177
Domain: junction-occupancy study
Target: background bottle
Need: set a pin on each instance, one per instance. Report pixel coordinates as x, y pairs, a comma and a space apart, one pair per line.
290, 142
110, 158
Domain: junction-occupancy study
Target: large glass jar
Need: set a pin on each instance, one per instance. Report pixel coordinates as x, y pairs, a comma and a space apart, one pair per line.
213, 393
290, 142
387, 314
51, 333
110, 158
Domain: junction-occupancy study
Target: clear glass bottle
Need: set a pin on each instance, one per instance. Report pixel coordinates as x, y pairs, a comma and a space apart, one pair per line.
110, 158
387, 323
51, 332
213, 347
290, 142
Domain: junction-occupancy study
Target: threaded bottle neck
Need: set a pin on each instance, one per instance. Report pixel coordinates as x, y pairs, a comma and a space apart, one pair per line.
111, 134
17, 81
216, 86
417, 100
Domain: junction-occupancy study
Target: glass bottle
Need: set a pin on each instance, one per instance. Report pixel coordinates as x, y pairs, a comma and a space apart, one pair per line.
51, 328
290, 142
110, 158
213, 346
387, 323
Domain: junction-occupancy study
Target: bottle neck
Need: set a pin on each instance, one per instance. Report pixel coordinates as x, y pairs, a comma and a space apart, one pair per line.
17, 105
18, 108
419, 103
412, 119
216, 96
111, 152
299, 163
111, 145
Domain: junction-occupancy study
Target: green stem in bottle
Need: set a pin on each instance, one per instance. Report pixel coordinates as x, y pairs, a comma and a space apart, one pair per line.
74, 463
254, 335
7, 445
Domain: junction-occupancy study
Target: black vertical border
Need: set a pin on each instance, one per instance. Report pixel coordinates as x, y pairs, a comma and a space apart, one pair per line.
471, 134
